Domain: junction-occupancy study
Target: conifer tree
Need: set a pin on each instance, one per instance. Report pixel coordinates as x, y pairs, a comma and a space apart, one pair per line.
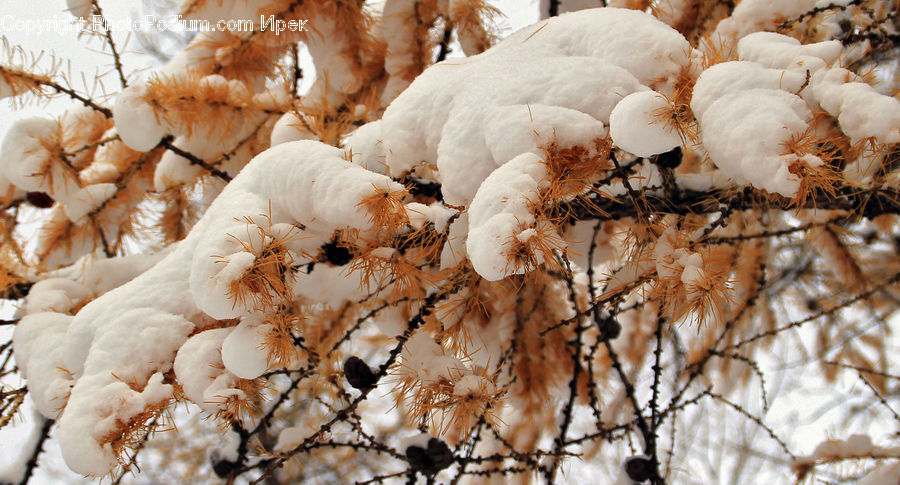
614, 245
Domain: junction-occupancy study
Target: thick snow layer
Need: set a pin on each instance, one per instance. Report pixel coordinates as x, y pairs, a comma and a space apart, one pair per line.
103, 397
637, 124
120, 340
556, 82
608, 35
137, 123
403, 52
335, 71
861, 110
304, 181
38, 341
435, 213
198, 364
26, 159
478, 126
502, 209
55, 295
746, 134
757, 15
243, 351
289, 128
778, 51
87, 199
730, 77
457, 115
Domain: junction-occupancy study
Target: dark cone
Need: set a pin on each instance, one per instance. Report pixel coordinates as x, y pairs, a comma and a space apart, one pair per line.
670, 159
40, 200
359, 374
336, 254
432, 459
639, 468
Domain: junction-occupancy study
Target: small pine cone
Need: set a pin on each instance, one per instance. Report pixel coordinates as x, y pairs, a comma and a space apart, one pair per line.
336, 254
609, 329
359, 374
639, 468
41, 200
670, 159
432, 459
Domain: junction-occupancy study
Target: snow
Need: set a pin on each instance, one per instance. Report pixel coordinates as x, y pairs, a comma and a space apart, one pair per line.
102, 397
479, 126
134, 331
454, 252
28, 162
423, 357
434, 213
87, 199
335, 72
198, 364
290, 437
79, 8
678, 264
637, 124
289, 128
746, 134
854, 446
38, 342
734, 76
885, 474
502, 208
137, 123
861, 110
461, 116
607, 35
243, 350
778, 51
58, 295
756, 15
402, 56
365, 143
472, 385
316, 186
332, 285
173, 169
79, 126
5, 89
